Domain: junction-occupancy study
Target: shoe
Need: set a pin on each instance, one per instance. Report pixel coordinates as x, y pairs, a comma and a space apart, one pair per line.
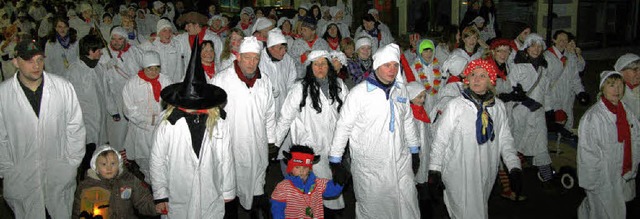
512, 196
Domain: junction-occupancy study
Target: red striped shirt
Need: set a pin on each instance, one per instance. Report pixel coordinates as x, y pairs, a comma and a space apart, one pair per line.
297, 202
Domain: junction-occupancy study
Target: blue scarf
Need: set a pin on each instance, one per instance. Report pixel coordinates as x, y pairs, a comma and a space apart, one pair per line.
373, 33
373, 79
65, 41
132, 35
305, 186
484, 123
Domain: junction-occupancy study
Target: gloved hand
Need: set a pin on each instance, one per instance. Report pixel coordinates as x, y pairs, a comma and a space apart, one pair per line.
531, 104
339, 172
515, 179
518, 93
583, 98
415, 162
273, 152
116, 117
436, 186
505, 97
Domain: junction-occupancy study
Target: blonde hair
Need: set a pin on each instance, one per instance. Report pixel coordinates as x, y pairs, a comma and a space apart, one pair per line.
212, 120
611, 80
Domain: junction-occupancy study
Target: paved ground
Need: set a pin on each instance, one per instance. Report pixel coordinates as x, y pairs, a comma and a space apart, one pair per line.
561, 205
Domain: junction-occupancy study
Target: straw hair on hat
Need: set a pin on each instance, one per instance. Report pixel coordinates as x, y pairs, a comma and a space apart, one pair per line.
275, 37
314, 55
250, 45
625, 60
606, 74
386, 54
150, 58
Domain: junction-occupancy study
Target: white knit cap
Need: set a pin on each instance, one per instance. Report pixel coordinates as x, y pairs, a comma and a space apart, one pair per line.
334, 10
454, 65
248, 11
261, 23
363, 41
119, 31
250, 44
101, 149
85, 7
386, 54
314, 55
275, 37
163, 23
216, 17
150, 58
534, 38
305, 6
625, 60
282, 20
157, 4
414, 88
372, 11
335, 54
605, 74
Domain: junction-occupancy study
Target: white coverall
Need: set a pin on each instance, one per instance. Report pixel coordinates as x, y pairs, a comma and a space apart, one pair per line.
57, 59
39, 156
143, 112
171, 58
599, 162
310, 128
565, 84
300, 46
195, 186
463, 53
380, 134
632, 99
183, 40
468, 169
252, 122
90, 90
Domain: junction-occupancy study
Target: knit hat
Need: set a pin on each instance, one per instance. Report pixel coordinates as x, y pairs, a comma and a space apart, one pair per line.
414, 88
491, 69
454, 65
300, 156
426, 44
261, 24
534, 38
250, 44
605, 74
101, 149
275, 37
214, 18
495, 43
304, 6
85, 7
157, 4
314, 55
150, 58
386, 54
163, 23
119, 31
625, 60
335, 54
363, 41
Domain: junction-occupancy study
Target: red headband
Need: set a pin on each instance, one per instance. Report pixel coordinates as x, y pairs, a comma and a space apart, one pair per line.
503, 42
300, 159
491, 69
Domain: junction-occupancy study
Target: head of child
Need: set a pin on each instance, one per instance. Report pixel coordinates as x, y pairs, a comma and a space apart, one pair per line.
416, 92
106, 162
300, 161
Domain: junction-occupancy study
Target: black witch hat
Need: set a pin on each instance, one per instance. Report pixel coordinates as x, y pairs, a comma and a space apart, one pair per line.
194, 92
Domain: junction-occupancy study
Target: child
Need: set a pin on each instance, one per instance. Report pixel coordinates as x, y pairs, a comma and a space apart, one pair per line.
420, 161
111, 190
300, 194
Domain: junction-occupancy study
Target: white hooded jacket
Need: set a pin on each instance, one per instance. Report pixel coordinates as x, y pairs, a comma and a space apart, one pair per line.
39, 155
58, 59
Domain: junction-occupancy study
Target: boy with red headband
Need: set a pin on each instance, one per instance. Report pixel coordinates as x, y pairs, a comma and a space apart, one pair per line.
300, 194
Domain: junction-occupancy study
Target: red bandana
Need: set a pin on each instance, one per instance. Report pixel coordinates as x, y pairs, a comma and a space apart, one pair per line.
155, 84
453, 79
245, 26
624, 132
123, 50
248, 81
419, 113
407, 70
209, 70
563, 59
200, 37
631, 86
334, 43
220, 30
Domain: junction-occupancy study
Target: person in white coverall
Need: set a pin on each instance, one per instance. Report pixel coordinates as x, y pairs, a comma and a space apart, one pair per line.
322, 94
120, 63
42, 138
171, 56
195, 26
252, 121
629, 66
192, 163
308, 42
469, 47
141, 97
376, 120
608, 152
61, 48
473, 135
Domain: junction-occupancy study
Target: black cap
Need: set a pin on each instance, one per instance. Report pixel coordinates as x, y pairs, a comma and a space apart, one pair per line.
27, 49
194, 92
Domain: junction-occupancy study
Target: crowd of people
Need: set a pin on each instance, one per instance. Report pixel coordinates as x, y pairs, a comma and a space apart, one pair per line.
143, 108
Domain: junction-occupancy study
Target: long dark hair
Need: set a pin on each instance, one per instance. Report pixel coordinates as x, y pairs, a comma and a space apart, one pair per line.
326, 35
73, 35
311, 87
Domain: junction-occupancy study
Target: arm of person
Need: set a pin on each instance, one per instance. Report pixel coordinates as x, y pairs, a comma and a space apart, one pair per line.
507, 149
75, 211
228, 167
288, 112
137, 114
332, 190
6, 162
76, 133
589, 158
410, 129
279, 201
270, 115
142, 199
445, 125
158, 163
347, 120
